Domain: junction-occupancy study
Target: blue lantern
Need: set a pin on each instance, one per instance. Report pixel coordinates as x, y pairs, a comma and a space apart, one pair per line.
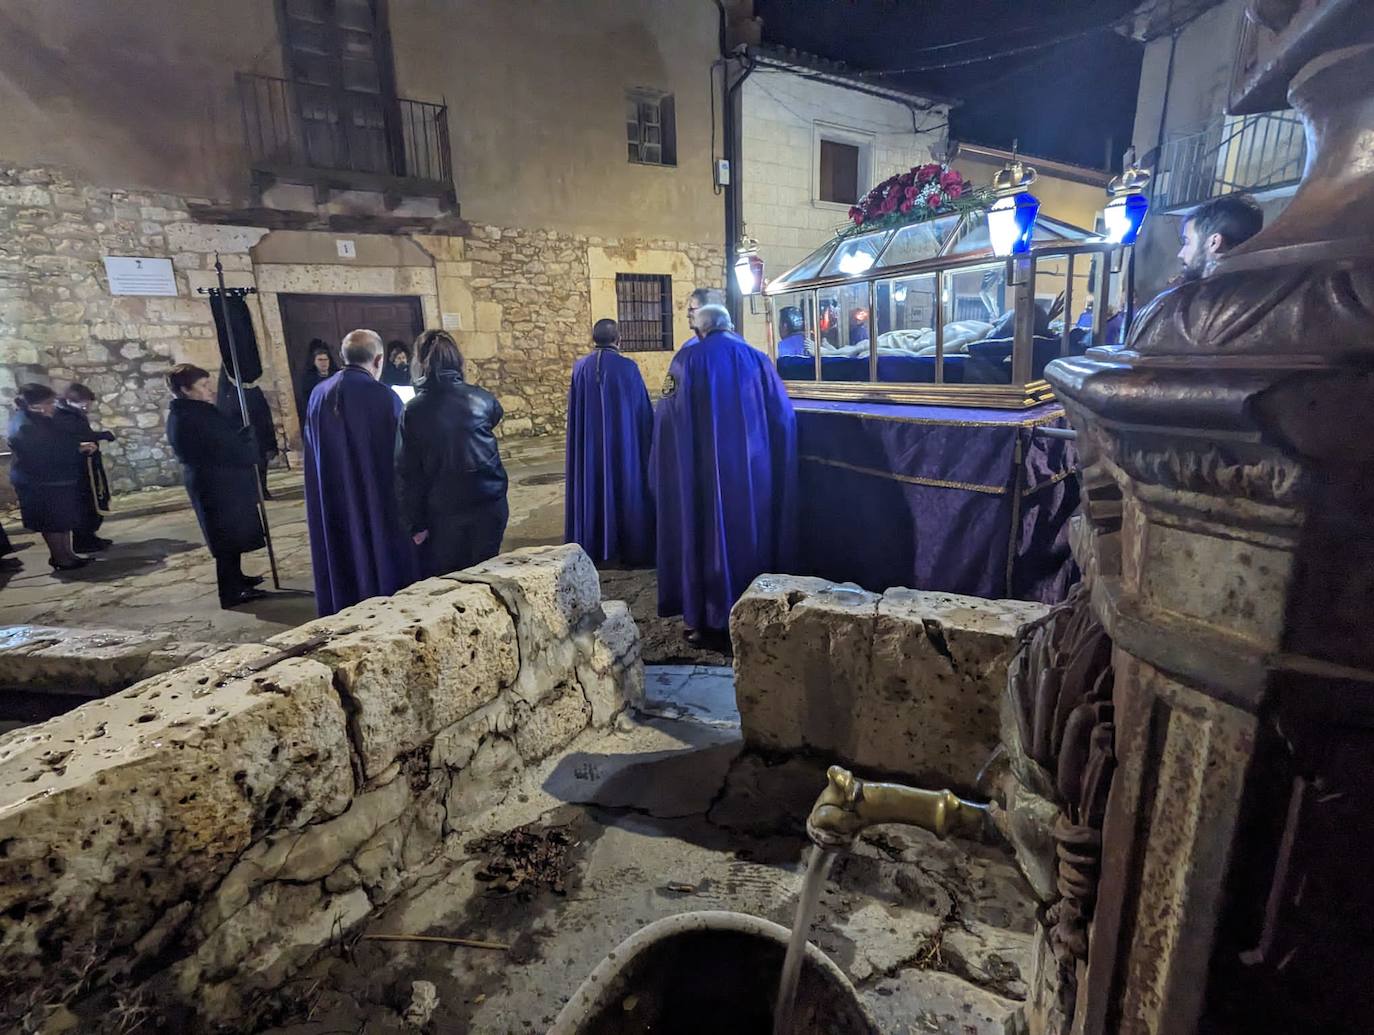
1125, 213
1011, 222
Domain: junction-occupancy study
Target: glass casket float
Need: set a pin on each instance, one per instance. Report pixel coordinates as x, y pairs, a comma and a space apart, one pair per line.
929, 312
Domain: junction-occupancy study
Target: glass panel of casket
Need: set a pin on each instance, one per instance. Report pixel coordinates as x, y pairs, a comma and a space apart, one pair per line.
906, 330
794, 335
979, 321
842, 320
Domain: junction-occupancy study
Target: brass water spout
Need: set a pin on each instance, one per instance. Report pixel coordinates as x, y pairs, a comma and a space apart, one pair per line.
848, 805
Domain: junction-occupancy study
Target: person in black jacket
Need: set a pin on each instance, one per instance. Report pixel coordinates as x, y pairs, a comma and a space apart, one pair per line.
219, 465
72, 414
46, 472
449, 475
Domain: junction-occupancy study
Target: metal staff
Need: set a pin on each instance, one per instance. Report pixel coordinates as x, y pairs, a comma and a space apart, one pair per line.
223, 293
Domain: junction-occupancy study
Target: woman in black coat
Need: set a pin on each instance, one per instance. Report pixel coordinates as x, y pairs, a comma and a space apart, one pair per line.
47, 473
318, 367
219, 465
449, 474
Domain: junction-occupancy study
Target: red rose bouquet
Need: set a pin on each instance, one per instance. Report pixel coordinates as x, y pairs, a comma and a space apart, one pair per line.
922, 193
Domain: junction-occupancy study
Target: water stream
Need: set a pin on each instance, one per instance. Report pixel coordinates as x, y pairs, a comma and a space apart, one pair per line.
817, 868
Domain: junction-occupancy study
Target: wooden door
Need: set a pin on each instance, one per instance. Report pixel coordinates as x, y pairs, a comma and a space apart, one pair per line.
306, 319
338, 56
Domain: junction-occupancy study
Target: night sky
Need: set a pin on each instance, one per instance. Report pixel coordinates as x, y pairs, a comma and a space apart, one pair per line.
1065, 100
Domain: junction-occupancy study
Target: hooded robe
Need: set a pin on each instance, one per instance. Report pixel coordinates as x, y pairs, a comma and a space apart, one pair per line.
609, 509
724, 465
358, 547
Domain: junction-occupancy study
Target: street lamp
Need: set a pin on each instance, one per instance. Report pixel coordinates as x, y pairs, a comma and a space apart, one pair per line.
748, 267
1011, 219
1125, 213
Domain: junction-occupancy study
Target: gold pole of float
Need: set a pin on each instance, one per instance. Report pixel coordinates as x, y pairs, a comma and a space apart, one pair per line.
243, 409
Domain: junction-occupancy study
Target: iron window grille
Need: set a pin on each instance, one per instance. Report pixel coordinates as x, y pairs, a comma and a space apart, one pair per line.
650, 128
644, 304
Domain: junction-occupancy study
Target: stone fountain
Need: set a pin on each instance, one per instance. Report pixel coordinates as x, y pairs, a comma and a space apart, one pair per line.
1215, 779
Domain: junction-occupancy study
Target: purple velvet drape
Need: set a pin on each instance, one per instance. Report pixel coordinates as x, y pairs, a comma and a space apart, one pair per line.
966, 501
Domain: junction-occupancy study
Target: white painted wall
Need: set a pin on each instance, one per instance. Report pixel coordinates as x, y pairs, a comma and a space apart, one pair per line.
784, 116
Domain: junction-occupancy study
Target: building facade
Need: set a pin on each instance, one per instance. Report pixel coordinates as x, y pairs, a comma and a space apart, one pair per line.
510, 170
1182, 131
814, 139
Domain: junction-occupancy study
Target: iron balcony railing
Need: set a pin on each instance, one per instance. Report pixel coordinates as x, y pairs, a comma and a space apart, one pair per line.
344, 138
1250, 153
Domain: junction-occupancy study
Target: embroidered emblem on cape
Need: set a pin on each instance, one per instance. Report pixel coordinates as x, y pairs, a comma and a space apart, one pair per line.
669, 385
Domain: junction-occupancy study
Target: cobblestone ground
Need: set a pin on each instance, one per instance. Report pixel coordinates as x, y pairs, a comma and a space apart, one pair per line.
158, 577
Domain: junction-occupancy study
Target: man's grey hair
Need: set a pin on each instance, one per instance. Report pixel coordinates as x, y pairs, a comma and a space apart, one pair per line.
708, 296
713, 318
361, 347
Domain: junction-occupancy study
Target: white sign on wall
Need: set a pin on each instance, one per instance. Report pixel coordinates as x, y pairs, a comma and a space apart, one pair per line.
347, 249
131, 275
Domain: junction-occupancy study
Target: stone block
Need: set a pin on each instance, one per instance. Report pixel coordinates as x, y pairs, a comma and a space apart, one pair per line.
542, 729
553, 593
611, 669
208, 237
488, 316
24, 196
907, 683
415, 663
128, 806
802, 657
96, 661
939, 670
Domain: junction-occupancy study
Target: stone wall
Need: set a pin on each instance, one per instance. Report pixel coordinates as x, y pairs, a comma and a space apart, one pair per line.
519, 301
59, 322
201, 835
908, 683
531, 297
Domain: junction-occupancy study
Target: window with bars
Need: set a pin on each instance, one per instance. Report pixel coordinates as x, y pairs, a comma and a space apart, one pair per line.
651, 128
644, 304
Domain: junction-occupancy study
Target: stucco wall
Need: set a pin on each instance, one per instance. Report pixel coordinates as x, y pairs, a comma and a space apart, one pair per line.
1197, 92
141, 95
781, 115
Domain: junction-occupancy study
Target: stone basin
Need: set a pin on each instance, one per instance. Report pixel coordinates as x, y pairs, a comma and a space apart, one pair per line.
710, 971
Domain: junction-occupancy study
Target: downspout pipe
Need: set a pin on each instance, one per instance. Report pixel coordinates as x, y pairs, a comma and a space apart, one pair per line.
731, 131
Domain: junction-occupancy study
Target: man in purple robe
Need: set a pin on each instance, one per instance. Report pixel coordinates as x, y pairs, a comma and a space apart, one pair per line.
609, 509
724, 465
358, 547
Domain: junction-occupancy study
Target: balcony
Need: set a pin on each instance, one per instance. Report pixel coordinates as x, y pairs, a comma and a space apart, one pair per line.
1257, 154
335, 139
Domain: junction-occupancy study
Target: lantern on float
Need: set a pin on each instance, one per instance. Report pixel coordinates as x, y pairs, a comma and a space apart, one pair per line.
1125, 213
748, 267
1011, 219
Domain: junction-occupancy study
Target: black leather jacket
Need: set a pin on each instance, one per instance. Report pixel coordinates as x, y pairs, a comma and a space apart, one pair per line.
447, 460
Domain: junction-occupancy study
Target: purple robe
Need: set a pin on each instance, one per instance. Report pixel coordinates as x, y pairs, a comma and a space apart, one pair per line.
358, 547
725, 476
609, 508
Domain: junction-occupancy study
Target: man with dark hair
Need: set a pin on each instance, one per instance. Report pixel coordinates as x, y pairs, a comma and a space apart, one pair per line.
358, 547
72, 415
725, 475
609, 509
1213, 229
791, 332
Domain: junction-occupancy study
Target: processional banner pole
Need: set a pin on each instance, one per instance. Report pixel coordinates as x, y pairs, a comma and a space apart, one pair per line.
243, 409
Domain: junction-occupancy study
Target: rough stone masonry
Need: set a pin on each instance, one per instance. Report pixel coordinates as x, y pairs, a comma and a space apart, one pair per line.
203, 834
